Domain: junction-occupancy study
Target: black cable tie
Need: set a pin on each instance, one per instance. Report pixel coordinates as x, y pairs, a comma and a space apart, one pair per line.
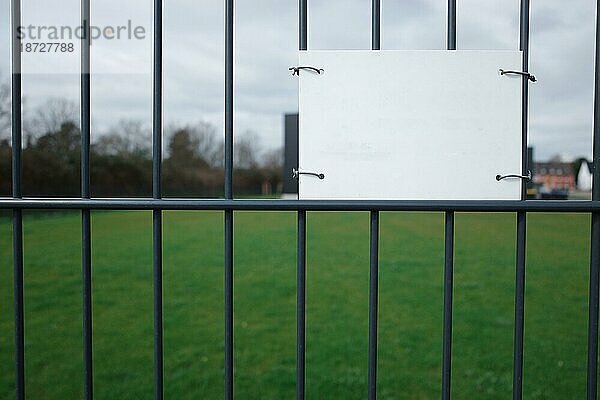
529, 76
296, 174
296, 70
524, 177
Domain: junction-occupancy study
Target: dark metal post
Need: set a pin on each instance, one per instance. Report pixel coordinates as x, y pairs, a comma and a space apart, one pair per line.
451, 39
17, 193
303, 25
375, 24
228, 276
16, 101
448, 250
524, 47
301, 307
519, 307
448, 287
374, 239
157, 194
19, 312
592, 363
373, 303
229, 64
521, 215
301, 251
86, 252
228, 304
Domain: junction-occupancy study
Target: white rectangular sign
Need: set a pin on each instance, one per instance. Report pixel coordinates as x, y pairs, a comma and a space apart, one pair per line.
422, 125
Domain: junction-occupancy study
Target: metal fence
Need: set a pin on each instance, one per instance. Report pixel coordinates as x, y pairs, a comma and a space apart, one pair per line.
157, 204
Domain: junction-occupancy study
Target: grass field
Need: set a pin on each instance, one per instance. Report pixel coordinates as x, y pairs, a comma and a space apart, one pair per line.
410, 327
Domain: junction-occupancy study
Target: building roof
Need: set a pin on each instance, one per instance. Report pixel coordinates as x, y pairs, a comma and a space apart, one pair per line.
554, 168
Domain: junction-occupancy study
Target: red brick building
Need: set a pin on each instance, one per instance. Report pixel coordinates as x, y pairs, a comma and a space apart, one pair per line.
555, 175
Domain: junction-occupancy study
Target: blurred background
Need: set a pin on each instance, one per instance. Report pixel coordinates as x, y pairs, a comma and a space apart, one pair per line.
562, 47
412, 245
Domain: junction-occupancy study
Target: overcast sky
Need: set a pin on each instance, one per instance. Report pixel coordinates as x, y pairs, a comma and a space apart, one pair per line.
562, 56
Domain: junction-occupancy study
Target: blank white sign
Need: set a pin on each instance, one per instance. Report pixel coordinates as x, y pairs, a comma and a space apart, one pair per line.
422, 125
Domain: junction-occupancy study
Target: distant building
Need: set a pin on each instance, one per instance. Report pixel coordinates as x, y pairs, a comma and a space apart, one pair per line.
290, 155
555, 175
584, 177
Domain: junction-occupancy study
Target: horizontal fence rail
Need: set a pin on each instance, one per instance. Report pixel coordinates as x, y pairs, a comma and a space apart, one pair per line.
17, 204
575, 206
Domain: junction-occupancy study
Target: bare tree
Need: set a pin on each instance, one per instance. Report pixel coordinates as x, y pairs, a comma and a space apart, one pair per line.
210, 147
5, 111
49, 117
246, 150
273, 159
126, 137
198, 141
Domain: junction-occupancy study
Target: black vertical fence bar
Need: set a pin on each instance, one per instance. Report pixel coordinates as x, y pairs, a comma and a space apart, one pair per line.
448, 287
86, 255
519, 307
229, 63
521, 216
301, 307
303, 25
87, 305
17, 193
373, 303
451, 40
19, 312
228, 304
448, 250
228, 275
157, 193
524, 47
374, 239
592, 362
301, 243
376, 25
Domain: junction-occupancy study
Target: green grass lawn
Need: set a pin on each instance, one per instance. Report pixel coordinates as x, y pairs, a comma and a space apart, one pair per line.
410, 314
